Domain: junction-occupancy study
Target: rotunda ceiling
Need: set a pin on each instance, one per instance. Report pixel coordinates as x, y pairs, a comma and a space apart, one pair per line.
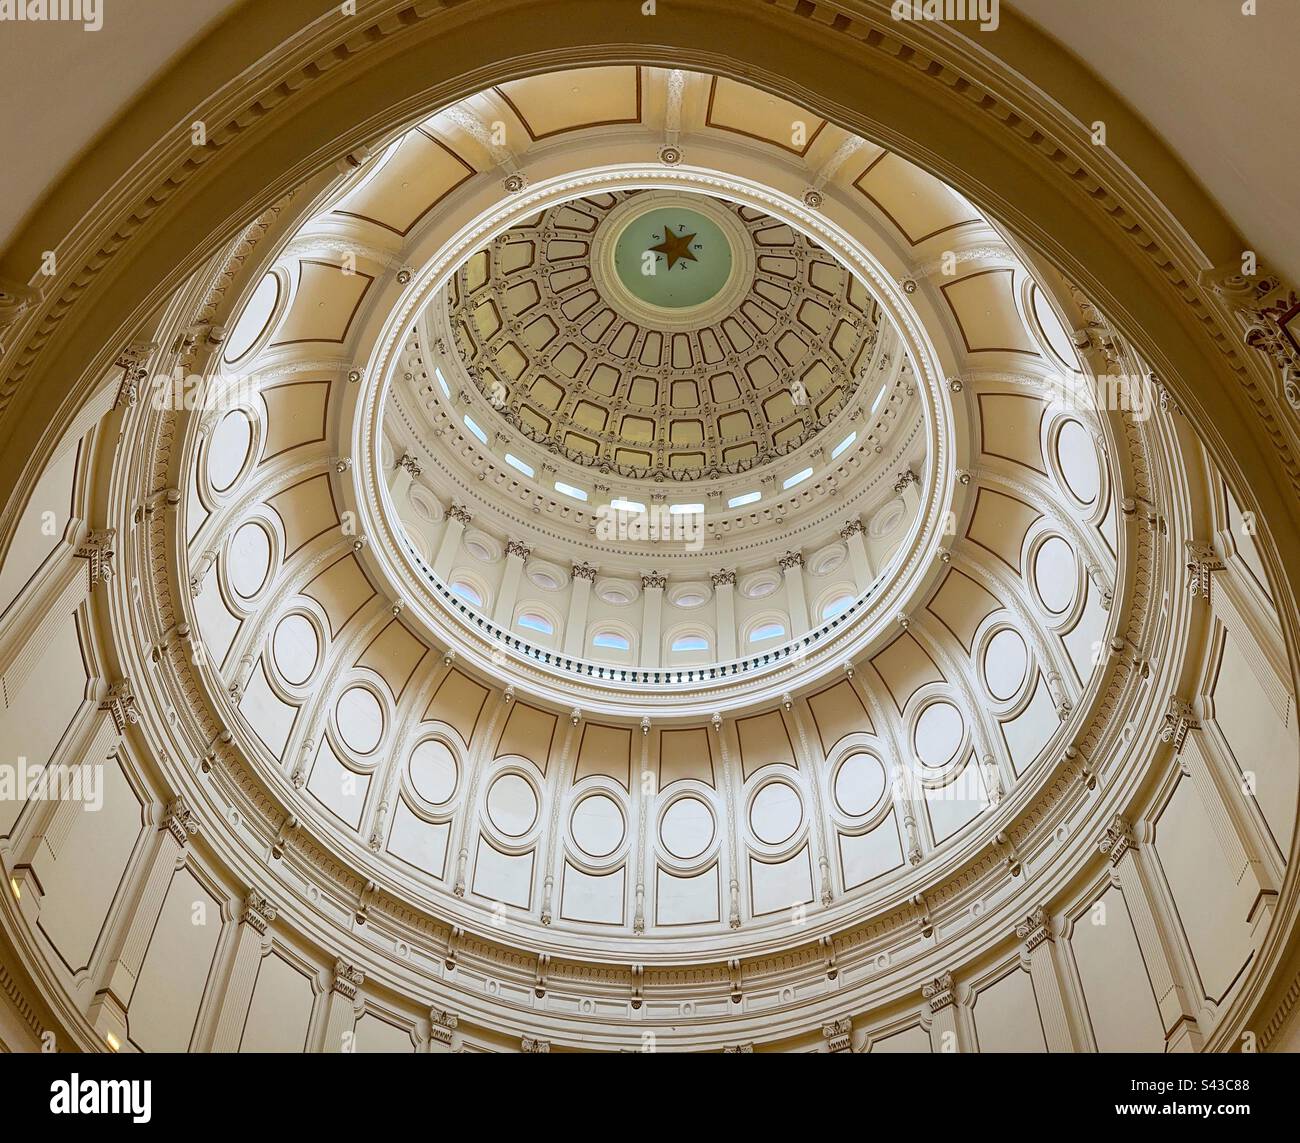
657, 334
423, 635
879, 707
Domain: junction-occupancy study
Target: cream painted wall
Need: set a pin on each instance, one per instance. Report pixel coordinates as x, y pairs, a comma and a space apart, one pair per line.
50, 124
1204, 75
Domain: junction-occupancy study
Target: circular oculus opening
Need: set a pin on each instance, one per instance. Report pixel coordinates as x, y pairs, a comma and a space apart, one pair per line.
1055, 574
250, 559
253, 321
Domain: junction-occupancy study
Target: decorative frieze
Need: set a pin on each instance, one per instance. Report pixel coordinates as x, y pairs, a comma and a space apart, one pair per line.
849, 672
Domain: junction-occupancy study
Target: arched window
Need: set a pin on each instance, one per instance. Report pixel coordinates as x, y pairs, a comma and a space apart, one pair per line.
611, 641
523, 466
765, 631
836, 605
531, 621
467, 592
690, 643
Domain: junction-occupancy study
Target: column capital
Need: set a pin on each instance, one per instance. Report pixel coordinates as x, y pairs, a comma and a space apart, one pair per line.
1035, 929
940, 992
654, 581
1202, 561
1118, 839
120, 704
98, 549
906, 477
1179, 719
518, 548
180, 822
746, 1048
408, 462
442, 1025
534, 1047
347, 979
791, 560
852, 528
258, 912
838, 1034
585, 571
459, 514
724, 578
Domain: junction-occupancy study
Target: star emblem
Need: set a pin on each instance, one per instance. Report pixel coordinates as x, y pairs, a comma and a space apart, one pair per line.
675, 247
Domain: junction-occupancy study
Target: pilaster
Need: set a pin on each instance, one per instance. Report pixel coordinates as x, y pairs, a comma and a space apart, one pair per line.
1038, 953
1177, 1013
254, 922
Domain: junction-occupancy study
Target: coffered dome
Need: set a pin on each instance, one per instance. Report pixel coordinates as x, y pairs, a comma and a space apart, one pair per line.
595, 352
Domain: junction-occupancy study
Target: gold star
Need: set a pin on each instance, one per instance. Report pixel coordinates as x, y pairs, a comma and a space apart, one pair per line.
675, 247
